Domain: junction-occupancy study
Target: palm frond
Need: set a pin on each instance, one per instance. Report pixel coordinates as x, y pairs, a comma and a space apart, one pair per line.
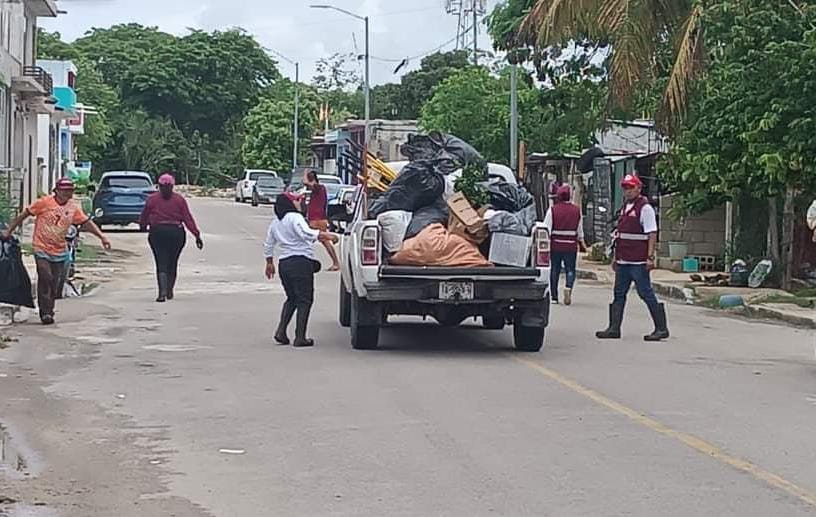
552, 21
632, 28
688, 63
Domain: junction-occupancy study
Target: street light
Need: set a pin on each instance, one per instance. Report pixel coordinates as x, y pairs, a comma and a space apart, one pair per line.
297, 107
367, 89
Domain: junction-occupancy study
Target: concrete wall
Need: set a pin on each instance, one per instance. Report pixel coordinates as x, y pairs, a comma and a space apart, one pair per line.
704, 233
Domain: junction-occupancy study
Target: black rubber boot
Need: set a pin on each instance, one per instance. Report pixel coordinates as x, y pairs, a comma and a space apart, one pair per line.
301, 325
615, 321
171, 286
164, 281
661, 330
287, 312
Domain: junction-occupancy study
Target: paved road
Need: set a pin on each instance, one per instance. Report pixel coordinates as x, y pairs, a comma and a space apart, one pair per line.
124, 407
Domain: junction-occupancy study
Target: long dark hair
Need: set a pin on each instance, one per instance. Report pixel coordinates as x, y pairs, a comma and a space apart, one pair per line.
283, 206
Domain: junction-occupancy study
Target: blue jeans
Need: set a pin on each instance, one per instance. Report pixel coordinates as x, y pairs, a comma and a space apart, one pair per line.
639, 274
568, 259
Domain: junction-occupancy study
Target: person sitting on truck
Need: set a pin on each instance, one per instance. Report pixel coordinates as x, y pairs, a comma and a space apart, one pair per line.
291, 241
565, 224
317, 212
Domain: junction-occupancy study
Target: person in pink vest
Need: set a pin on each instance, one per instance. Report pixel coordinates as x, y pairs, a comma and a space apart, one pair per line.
635, 241
565, 224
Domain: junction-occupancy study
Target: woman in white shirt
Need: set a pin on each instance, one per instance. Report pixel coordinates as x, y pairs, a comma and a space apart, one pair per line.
291, 241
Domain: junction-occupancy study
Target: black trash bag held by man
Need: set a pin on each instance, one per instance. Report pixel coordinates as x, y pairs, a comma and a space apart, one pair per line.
15, 284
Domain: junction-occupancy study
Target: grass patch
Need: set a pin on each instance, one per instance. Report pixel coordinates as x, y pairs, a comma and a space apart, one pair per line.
805, 303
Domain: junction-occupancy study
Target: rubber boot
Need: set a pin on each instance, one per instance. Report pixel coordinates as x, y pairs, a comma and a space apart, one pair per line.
661, 330
568, 296
287, 312
302, 324
615, 321
164, 281
171, 286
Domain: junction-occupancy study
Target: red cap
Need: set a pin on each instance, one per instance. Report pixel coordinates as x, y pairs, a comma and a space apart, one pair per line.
293, 196
167, 179
65, 184
631, 181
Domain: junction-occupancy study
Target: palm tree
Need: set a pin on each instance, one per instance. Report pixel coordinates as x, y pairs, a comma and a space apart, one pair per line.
636, 29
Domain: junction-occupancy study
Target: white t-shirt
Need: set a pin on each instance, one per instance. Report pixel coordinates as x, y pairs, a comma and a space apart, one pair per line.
290, 237
648, 220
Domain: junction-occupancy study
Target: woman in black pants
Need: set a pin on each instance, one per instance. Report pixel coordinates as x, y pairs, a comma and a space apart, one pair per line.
166, 214
292, 242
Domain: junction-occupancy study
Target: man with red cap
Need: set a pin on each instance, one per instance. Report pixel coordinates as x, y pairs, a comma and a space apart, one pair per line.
55, 214
635, 241
565, 224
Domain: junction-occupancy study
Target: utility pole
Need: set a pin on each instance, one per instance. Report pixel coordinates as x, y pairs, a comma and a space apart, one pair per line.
297, 122
514, 117
475, 33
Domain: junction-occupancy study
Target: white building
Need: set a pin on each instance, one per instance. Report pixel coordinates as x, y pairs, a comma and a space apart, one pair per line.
25, 92
55, 132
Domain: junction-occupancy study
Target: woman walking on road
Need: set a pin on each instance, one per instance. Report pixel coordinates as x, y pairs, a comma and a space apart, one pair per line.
165, 215
292, 242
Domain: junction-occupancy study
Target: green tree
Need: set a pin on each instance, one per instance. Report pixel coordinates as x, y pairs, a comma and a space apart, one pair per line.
751, 128
475, 105
269, 127
417, 86
638, 33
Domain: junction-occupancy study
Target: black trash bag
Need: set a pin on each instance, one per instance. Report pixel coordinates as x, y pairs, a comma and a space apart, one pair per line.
519, 223
15, 284
448, 152
435, 213
510, 198
417, 186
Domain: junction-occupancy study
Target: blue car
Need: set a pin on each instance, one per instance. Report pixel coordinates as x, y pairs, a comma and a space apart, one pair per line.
121, 197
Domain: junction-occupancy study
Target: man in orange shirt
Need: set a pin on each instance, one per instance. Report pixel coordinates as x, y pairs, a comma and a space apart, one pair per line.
55, 214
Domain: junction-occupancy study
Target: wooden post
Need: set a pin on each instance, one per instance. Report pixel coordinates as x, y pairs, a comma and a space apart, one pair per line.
522, 161
787, 238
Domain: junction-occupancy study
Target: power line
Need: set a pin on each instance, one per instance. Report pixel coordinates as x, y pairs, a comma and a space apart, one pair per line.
412, 58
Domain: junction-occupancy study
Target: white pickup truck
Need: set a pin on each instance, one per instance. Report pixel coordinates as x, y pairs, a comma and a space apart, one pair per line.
371, 290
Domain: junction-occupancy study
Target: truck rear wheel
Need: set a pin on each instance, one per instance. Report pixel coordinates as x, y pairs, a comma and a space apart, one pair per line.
345, 305
363, 337
528, 339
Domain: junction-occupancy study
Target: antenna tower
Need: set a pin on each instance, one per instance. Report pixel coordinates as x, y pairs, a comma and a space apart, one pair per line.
468, 13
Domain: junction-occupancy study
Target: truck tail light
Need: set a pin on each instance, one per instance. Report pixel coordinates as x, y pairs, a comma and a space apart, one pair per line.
371, 246
542, 248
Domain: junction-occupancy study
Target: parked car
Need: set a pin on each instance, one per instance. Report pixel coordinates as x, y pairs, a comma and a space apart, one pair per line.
245, 186
266, 189
121, 197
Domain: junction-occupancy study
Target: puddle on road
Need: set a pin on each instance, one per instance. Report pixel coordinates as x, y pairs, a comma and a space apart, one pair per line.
10, 456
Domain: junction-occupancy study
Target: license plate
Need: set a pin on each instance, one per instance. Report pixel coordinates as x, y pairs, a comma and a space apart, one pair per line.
456, 291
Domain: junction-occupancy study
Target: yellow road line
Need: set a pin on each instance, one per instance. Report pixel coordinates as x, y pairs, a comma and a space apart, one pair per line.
698, 444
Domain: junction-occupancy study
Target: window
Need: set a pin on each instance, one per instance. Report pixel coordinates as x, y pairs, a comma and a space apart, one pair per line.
253, 176
270, 182
133, 182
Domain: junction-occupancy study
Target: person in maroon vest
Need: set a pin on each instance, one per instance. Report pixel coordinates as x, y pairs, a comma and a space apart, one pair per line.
564, 222
635, 241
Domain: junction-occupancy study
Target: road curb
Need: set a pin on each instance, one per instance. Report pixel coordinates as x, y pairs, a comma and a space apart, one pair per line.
676, 292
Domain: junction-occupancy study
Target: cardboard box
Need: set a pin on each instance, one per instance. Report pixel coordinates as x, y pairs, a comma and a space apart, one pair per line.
461, 208
457, 227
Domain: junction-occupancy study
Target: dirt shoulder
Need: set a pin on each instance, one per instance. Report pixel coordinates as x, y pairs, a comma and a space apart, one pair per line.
69, 457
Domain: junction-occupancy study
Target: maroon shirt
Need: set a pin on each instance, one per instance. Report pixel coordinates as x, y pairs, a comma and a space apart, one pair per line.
173, 211
317, 204
565, 220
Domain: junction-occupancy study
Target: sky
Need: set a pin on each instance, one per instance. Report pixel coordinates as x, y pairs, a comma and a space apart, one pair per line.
399, 28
